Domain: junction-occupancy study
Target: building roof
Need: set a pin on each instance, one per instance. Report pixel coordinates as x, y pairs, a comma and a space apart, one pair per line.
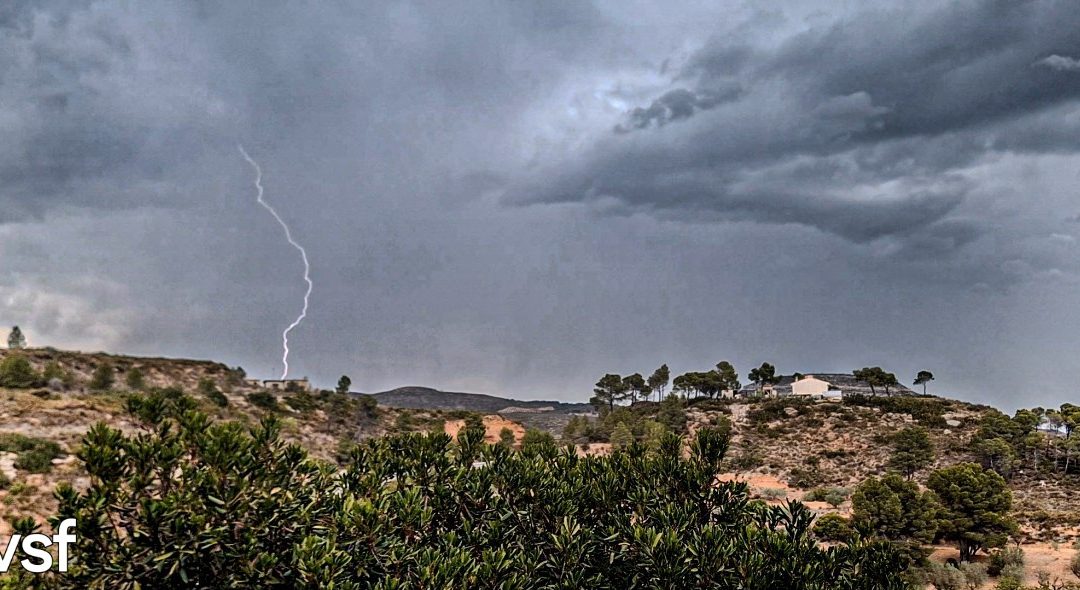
845, 382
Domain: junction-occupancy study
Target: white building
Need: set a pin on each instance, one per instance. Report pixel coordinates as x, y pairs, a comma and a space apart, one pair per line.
811, 386
287, 384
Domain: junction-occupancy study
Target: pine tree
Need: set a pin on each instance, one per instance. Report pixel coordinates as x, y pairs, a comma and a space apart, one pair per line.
343, 384
16, 340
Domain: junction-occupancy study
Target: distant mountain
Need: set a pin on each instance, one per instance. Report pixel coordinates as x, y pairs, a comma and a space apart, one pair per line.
428, 398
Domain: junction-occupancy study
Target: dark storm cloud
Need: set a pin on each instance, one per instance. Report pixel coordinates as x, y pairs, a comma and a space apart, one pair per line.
854, 128
93, 110
822, 187
675, 105
959, 67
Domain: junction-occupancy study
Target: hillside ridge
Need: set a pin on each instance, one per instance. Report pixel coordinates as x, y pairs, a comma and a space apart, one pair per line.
420, 397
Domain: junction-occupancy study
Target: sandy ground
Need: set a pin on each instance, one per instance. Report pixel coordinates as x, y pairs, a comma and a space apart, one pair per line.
493, 426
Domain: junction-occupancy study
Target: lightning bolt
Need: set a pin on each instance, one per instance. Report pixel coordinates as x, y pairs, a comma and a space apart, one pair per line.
303, 256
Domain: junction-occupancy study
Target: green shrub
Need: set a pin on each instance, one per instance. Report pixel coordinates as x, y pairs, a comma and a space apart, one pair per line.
706, 404
17, 372
218, 398
773, 493
834, 528
103, 378
53, 370
135, 380
474, 420
1003, 558
404, 422
1011, 579
170, 394
33, 454
159, 404
912, 450
264, 400
672, 414
832, 496
18, 489
944, 577
35, 461
506, 437
302, 402
368, 406
804, 479
654, 433
579, 430
776, 410
621, 436
895, 509
1074, 565
925, 410
344, 450
537, 441
748, 458
975, 575
417, 511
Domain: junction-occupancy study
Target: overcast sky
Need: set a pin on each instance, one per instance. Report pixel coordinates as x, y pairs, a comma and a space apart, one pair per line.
516, 197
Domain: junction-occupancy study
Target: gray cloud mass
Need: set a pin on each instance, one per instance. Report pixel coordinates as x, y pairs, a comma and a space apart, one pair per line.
519, 197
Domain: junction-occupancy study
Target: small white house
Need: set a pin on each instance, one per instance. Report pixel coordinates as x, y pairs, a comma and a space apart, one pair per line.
287, 384
810, 386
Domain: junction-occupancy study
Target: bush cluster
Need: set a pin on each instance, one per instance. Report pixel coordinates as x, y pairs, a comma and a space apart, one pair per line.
264, 400
773, 410
622, 425
927, 411
243, 509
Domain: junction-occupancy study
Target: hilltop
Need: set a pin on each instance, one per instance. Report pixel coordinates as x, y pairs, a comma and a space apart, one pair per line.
551, 416
426, 397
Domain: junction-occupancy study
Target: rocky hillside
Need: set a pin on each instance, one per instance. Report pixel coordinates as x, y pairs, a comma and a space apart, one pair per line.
156, 372
815, 446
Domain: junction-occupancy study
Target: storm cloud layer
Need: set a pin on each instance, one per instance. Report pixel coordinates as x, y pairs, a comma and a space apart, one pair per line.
518, 197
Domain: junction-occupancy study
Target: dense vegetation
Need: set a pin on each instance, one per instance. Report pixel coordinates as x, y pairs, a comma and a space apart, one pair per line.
191, 504
1006, 445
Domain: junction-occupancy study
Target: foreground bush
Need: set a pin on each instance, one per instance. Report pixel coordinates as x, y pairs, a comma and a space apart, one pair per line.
190, 504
